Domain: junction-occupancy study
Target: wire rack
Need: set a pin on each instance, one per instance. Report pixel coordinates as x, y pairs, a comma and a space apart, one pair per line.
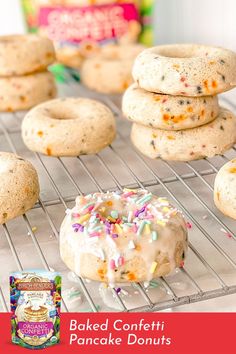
31, 241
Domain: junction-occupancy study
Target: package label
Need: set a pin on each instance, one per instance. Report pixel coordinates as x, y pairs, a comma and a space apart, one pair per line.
95, 23
35, 308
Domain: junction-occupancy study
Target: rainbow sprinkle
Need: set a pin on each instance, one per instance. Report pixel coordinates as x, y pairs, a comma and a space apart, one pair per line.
153, 267
134, 213
112, 264
154, 235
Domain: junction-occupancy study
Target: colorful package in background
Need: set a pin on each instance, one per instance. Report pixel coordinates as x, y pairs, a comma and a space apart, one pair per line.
79, 27
35, 297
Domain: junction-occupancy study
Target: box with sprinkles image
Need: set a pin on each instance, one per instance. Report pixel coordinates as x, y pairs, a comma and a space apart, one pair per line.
35, 308
81, 29
130, 197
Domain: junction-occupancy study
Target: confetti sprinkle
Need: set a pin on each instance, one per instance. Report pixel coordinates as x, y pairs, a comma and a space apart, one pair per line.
88, 205
83, 218
147, 228
229, 235
154, 235
140, 229
138, 212
114, 214
189, 225
153, 284
144, 199
118, 229
112, 264
153, 267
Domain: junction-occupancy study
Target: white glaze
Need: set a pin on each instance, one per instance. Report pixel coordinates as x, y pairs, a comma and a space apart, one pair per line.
106, 249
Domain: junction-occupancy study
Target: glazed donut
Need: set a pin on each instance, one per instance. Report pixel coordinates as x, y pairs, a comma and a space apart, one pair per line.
208, 140
225, 189
25, 54
186, 69
126, 236
19, 188
110, 70
68, 127
168, 112
23, 92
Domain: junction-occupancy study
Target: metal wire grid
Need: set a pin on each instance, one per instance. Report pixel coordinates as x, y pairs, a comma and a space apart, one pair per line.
174, 176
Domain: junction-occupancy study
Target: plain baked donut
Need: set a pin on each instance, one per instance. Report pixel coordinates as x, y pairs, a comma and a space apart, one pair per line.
24, 92
225, 189
69, 127
168, 112
127, 236
25, 54
110, 70
208, 140
186, 69
19, 187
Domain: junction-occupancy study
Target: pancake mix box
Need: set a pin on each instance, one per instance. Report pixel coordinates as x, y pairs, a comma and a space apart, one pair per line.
35, 308
79, 28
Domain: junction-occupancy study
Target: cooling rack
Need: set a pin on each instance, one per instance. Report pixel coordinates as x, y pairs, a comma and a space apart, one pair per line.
32, 241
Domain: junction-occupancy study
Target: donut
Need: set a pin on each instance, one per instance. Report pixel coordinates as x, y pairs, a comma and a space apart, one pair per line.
19, 187
211, 139
25, 54
24, 92
225, 189
124, 236
110, 70
168, 112
186, 69
68, 127
69, 56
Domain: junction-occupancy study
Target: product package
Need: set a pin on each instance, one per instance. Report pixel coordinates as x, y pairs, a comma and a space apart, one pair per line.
35, 307
79, 28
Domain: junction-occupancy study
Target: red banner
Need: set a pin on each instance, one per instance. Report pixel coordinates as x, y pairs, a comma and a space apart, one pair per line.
181, 333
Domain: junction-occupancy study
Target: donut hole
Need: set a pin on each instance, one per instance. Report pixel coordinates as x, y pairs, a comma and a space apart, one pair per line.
183, 51
116, 52
62, 114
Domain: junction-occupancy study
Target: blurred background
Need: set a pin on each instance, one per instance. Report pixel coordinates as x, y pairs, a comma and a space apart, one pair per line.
202, 21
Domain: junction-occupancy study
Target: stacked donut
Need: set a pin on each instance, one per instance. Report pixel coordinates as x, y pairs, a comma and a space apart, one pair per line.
24, 79
173, 102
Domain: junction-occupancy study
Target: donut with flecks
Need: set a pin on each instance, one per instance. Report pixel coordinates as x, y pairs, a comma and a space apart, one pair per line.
19, 187
24, 92
110, 70
25, 54
186, 69
168, 112
208, 140
69, 127
225, 189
